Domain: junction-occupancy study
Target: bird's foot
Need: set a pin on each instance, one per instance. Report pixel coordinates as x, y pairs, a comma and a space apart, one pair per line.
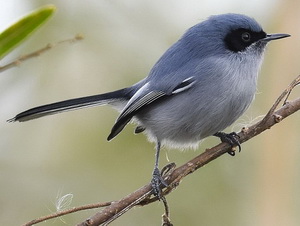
156, 182
231, 139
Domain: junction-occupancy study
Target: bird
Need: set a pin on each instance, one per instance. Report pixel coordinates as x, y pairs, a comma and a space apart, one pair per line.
201, 85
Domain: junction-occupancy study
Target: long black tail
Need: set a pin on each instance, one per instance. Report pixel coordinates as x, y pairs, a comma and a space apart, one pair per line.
72, 104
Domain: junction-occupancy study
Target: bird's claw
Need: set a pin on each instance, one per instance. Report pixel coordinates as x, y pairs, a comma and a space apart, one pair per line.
231, 139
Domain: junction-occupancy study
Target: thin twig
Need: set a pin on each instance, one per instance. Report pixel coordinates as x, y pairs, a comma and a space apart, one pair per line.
296, 83
286, 93
65, 212
38, 52
166, 216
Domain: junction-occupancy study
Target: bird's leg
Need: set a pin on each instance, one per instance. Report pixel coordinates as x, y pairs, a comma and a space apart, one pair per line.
157, 179
230, 138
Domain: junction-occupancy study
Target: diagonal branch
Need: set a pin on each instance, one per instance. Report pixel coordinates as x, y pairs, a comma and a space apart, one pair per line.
142, 196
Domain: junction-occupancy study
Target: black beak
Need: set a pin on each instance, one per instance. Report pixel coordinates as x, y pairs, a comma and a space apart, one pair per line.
271, 37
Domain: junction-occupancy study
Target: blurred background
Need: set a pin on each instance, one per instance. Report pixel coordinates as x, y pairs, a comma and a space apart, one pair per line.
68, 155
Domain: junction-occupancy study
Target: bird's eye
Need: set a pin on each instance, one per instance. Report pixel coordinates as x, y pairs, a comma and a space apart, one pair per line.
246, 37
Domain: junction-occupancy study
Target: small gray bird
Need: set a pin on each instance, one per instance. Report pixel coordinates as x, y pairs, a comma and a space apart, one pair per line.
201, 85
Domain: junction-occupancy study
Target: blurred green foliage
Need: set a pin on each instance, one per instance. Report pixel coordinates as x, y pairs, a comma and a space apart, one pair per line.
14, 35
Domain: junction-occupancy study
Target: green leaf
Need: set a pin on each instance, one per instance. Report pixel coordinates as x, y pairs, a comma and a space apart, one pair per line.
19, 31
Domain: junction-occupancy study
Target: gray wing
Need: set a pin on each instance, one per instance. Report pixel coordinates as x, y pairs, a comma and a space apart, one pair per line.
142, 98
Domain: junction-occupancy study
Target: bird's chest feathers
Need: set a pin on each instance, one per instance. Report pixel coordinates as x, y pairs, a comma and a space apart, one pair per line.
239, 83
240, 75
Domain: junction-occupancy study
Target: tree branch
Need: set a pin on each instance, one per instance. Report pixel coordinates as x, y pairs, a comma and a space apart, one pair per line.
38, 52
174, 176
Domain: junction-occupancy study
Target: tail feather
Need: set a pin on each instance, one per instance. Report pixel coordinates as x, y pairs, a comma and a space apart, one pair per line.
72, 104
